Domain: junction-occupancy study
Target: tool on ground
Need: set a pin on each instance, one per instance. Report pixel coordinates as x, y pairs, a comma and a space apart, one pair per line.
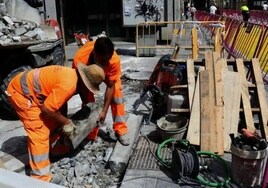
253, 136
166, 74
94, 133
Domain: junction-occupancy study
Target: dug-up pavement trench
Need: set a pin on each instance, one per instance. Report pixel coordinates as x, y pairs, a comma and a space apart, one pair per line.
87, 167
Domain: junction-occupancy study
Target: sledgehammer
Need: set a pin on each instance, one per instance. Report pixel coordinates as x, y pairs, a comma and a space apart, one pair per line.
84, 126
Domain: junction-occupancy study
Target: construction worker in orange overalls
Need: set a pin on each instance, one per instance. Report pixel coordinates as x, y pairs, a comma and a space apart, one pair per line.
38, 96
102, 52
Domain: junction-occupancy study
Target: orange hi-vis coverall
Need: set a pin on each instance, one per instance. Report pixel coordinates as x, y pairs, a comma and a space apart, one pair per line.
51, 86
112, 72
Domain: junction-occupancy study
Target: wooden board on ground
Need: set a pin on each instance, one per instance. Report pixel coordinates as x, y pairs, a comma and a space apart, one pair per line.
211, 108
205, 115
191, 80
245, 96
261, 97
231, 98
193, 132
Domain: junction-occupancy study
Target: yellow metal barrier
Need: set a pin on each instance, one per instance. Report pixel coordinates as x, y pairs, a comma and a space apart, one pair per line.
244, 40
262, 52
151, 36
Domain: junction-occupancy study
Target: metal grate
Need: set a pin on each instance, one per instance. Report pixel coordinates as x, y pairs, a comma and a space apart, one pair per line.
144, 159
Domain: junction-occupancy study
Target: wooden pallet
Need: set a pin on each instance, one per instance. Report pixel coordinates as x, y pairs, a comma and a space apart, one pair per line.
219, 101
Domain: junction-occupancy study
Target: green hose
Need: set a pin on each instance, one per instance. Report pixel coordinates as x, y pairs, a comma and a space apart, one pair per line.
200, 178
160, 148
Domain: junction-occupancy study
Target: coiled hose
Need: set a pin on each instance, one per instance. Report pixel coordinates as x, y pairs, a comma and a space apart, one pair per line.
200, 178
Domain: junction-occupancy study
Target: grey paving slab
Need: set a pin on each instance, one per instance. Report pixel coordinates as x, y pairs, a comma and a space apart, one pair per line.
10, 179
121, 154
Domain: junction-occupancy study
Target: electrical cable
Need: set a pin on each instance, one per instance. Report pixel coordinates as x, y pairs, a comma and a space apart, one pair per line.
187, 162
148, 141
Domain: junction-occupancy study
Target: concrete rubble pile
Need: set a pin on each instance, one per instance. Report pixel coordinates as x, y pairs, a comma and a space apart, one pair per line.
87, 167
14, 31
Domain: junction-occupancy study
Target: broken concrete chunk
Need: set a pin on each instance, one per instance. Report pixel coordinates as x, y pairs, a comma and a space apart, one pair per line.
6, 41
8, 20
3, 37
16, 39
20, 31
108, 154
30, 34
5, 30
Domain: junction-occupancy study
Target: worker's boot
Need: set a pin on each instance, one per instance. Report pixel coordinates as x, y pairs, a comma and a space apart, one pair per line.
124, 139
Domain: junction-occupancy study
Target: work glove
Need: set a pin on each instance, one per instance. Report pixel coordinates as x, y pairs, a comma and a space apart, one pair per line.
69, 129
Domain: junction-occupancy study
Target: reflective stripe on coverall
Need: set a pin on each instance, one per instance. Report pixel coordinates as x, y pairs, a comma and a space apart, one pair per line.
27, 93
112, 72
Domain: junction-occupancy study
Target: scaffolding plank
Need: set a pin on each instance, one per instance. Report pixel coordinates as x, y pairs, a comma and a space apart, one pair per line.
262, 101
245, 95
193, 133
191, 80
205, 120
231, 105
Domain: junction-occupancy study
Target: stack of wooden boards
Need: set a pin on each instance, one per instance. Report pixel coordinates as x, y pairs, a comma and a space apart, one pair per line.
224, 96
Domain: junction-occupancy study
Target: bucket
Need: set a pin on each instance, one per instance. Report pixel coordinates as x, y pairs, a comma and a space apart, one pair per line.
248, 166
172, 127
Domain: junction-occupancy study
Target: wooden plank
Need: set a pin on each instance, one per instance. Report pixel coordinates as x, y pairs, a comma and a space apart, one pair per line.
178, 87
200, 47
205, 117
232, 98
261, 96
194, 43
191, 80
215, 129
218, 71
245, 95
213, 134
193, 132
218, 85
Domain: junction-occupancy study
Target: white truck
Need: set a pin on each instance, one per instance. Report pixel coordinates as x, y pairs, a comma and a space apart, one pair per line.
27, 40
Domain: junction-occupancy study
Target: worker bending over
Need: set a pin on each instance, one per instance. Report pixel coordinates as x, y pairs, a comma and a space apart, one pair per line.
102, 52
39, 97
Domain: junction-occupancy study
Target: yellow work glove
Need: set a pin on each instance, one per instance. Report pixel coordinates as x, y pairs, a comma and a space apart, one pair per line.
68, 129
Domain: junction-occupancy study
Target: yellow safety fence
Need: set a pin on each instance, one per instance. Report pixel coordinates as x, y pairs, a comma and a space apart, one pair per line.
243, 40
151, 36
